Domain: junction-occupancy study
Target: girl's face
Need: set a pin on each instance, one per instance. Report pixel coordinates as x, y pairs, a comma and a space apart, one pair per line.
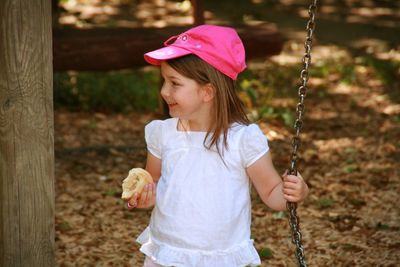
186, 98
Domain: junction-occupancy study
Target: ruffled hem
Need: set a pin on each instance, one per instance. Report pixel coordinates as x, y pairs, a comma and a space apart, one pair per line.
240, 255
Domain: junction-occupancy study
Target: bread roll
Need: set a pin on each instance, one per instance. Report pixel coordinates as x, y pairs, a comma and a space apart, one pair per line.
135, 182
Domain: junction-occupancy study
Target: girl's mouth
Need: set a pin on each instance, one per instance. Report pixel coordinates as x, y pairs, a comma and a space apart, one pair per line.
171, 105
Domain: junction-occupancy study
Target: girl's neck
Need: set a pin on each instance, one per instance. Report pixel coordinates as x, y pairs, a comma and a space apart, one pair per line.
192, 126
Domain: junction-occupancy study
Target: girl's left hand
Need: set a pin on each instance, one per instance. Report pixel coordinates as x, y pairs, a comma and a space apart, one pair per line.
294, 187
145, 199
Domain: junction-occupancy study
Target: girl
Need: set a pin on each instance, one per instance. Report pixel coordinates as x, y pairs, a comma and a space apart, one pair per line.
203, 159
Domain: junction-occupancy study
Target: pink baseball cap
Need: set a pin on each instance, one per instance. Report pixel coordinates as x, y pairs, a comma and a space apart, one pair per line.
219, 46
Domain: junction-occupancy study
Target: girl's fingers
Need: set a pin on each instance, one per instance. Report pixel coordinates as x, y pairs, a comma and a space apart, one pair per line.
144, 195
291, 192
147, 195
295, 194
145, 199
291, 185
132, 203
153, 191
291, 198
291, 178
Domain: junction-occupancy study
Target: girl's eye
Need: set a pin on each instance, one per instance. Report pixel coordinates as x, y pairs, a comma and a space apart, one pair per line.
175, 83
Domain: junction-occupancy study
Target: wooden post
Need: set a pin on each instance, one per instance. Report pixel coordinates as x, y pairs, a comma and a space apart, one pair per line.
26, 134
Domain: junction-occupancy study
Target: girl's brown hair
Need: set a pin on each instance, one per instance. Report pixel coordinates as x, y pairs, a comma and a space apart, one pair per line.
227, 107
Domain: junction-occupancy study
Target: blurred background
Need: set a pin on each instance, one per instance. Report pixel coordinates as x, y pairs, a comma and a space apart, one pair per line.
104, 94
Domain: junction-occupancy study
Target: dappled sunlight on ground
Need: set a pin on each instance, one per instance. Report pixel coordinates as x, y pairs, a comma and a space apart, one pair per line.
100, 13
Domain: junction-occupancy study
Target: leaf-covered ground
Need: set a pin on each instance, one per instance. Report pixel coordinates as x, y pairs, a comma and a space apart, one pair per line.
349, 156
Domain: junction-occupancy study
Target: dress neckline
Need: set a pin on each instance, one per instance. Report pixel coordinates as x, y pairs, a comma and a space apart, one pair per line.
176, 122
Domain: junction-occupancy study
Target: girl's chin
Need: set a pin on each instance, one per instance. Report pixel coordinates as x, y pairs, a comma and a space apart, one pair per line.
173, 113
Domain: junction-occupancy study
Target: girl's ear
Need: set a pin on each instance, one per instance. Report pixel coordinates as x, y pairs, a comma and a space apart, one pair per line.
208, 92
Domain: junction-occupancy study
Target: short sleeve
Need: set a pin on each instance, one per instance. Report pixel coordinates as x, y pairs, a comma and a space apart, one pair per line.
152, 135
253, 145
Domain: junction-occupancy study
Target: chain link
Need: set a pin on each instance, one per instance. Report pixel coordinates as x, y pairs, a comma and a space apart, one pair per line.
302, 91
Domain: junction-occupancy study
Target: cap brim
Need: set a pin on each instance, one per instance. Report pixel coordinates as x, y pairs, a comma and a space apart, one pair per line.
169, 52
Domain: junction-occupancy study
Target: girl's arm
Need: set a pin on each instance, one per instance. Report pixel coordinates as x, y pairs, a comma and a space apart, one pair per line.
153, 166
147, 198
273, 191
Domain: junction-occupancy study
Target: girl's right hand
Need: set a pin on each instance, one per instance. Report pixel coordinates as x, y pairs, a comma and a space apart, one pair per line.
146, 199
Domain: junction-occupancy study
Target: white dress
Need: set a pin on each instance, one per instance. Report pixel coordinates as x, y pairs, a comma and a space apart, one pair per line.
202, 214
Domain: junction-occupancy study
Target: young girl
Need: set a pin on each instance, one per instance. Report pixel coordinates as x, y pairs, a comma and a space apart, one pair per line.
203, 159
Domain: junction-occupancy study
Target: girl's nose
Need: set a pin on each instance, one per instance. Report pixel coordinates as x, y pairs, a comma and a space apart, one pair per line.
164, 90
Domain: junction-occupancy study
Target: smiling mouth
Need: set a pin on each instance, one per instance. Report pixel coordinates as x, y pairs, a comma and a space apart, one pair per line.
170, 104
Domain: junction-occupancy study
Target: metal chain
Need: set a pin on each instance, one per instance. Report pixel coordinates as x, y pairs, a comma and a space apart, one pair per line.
302, 91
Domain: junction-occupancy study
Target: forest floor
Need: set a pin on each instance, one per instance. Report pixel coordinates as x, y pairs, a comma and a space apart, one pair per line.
349, 157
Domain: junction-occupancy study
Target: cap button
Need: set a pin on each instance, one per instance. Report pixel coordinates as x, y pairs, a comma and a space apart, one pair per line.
184, 38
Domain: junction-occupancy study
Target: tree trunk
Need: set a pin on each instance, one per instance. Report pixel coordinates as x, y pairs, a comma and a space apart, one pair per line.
26, 134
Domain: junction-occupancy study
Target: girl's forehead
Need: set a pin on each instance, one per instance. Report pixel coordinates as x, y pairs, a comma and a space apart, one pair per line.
168, 71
